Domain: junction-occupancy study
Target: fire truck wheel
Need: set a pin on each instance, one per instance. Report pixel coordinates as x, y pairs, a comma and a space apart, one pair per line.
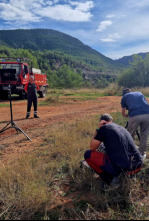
42, 94
4, 96
22, 96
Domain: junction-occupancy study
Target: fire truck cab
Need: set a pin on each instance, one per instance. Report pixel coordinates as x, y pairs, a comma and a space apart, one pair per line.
16, 72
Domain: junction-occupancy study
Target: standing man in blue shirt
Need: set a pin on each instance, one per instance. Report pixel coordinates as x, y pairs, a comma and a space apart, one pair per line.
138, 113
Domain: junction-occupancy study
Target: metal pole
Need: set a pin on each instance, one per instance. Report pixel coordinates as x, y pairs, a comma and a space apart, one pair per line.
13, 125
18, 128
10, 98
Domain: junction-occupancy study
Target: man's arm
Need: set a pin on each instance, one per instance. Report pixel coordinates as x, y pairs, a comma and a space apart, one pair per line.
95, 143
37, 87
25, 88
123, 104
124, 112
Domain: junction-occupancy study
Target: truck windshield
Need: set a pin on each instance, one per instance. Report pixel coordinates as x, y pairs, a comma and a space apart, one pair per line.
16, 67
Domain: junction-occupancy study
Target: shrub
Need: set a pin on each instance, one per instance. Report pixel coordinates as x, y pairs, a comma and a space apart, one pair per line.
65, 77
137, 75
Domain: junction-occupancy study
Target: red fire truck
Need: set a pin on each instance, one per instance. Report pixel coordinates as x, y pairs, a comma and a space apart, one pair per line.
16, 72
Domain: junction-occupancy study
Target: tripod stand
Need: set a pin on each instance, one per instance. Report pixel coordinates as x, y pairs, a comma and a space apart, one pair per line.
12, 124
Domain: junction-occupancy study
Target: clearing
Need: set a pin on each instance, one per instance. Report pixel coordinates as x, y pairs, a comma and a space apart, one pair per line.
70, 110
42, 180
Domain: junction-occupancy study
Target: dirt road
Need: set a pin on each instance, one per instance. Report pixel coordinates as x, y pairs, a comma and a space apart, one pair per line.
12, 143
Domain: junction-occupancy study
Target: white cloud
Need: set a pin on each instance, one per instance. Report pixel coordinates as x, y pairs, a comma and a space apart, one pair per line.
82, 6
110, 16
111, 38
34, 10
81, 12
12, 13
103, 25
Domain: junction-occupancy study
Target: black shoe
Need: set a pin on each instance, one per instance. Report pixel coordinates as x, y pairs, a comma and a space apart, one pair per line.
27, 116
35, 116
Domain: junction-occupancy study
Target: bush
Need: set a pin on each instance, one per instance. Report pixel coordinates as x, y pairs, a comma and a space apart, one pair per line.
137, 75
102, 83
65, 77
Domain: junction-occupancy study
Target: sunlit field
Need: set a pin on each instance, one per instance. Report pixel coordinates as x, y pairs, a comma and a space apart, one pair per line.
111, 90
48, 183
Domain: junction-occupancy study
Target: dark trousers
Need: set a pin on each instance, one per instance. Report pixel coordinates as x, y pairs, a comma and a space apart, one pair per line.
31, 101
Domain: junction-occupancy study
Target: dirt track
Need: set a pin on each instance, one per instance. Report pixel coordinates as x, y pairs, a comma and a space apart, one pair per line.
12, 143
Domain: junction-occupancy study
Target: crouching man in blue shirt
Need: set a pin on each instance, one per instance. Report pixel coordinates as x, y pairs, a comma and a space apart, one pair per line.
138, 112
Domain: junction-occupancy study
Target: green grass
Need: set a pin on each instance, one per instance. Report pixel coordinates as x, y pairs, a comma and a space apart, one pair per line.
4, 105
85, 98
62, 97
35, 186
111, 90
51, 99
87, 95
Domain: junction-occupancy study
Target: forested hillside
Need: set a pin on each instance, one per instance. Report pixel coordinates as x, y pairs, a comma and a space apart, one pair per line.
126, 61
43, 39
61, 68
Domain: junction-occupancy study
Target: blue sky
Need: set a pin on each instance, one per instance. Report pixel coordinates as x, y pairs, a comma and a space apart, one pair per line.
115, 28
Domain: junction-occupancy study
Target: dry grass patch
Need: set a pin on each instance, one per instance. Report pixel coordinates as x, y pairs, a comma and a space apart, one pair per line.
111, 90
145, 90
50, 176
23, 188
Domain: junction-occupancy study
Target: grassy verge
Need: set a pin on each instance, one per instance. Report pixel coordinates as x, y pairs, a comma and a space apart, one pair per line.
48, 183
51, 99
111, 90
65, 96
62, 96
4, 105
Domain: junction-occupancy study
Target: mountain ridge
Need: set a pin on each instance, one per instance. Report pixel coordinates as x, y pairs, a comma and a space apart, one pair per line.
126, 60
48, 39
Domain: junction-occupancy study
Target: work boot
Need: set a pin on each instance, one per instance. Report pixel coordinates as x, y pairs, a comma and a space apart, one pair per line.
27, 116
36, 116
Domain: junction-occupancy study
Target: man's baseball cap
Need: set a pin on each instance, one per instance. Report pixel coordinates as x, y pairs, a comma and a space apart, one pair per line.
126, 91
106, 117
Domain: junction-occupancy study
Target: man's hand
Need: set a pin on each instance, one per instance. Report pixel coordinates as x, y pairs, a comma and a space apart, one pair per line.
102, 123
95, 143
124, 112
